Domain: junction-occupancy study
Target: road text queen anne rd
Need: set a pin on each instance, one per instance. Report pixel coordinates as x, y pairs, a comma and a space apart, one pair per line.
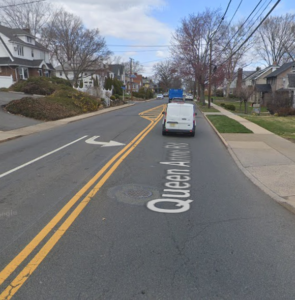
177, 189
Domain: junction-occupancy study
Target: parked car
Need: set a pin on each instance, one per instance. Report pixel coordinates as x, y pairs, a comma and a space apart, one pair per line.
179, 118
166, 95
160, 96
189, 97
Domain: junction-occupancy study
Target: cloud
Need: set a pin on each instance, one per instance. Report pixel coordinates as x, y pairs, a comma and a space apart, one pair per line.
129, 19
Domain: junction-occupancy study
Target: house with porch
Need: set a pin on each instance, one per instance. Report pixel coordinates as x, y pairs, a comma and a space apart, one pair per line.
257, 81
281, 82
21, 56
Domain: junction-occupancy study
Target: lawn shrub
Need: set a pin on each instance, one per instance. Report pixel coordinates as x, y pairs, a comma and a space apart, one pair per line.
222, 104
219, 93
230, 107
60, 81
35, 88
113, 97
279, 103
285, 111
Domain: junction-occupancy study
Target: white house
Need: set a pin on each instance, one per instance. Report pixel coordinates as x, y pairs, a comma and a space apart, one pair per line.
100, 71
21, 56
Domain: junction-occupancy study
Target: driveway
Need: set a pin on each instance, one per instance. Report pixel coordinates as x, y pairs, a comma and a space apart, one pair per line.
9, 121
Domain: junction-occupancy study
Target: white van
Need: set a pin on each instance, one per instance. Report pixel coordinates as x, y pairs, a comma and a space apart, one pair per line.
179, 117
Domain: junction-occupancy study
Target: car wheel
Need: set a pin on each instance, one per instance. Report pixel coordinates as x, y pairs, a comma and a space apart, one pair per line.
163, 130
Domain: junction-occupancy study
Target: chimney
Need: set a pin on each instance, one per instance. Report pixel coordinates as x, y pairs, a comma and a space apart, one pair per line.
239, 81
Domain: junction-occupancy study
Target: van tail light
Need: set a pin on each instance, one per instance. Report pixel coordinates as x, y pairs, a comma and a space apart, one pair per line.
164, 116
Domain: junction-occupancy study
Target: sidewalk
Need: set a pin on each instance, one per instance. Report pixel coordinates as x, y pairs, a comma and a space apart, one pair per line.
265, 158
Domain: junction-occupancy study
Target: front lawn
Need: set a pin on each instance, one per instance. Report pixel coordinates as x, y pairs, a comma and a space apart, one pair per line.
224, 124
204, 108
282, 126
240, 107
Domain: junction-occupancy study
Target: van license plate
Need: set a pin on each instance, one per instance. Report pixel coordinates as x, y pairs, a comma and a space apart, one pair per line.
172, 125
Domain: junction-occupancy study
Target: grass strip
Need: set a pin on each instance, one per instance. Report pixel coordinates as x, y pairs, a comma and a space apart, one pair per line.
224, 124
204, 108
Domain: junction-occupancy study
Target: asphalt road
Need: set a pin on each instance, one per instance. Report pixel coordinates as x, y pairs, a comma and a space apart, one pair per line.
230, 242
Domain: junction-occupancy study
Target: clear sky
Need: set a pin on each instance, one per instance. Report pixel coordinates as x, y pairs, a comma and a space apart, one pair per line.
149, 24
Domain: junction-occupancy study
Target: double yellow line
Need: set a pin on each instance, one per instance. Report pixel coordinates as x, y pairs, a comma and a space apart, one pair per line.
27, 271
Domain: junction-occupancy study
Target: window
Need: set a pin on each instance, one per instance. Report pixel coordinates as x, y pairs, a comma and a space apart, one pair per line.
40, 72
20, 51
32, 53
0, 70
23, 73
29, 39
60, 73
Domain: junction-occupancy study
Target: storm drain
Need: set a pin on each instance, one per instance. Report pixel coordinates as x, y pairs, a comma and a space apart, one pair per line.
138, 193
134, 193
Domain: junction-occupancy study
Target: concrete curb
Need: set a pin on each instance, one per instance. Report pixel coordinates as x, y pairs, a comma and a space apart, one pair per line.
282, 201
216, 131
16, 133
285, 203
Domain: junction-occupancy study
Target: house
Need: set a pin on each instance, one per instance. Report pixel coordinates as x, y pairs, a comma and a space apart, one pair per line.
148, 83
135, 82
101, 71
281, 81
118, 71
257, 81
234, 83
86, 76
21, 56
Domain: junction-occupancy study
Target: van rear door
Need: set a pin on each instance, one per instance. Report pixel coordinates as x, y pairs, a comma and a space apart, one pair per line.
180, 117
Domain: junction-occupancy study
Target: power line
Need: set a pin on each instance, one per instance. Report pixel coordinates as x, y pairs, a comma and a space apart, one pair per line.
13, 5
136, 51
240, 28
235, 12
253, 31
222, 18
136, 45
256, 20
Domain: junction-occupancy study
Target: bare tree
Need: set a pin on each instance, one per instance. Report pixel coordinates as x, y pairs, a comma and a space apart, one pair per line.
24, 14
165, 74
75, 48
275, 39
245, 94
228, 49
136, 67
191, 46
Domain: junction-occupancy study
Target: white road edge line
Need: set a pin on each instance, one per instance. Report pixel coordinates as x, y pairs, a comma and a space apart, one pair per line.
40, 157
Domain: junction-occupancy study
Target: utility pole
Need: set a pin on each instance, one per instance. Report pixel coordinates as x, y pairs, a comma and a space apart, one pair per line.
210, 73
131, 80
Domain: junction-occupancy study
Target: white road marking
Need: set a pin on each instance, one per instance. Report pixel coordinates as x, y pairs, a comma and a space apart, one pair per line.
183, 204
40, 157
104, 144
179, 155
